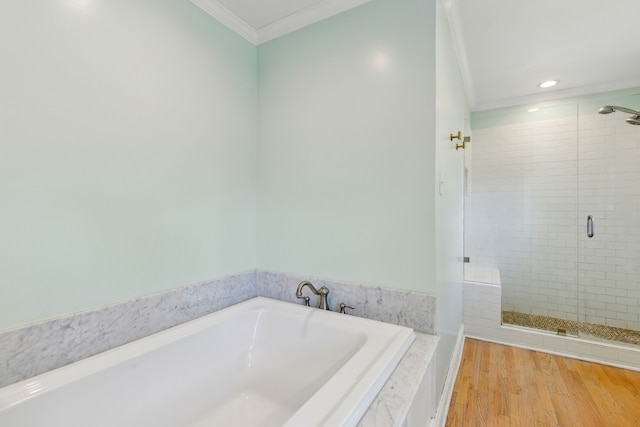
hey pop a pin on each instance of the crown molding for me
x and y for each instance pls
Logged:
(228, 18)
(563, 94)
(456, 29)
(280, 27)
(305, 17)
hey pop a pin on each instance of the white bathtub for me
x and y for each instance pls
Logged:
(259, 363)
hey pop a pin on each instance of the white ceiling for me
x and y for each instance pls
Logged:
(505, 47)
(260, 13)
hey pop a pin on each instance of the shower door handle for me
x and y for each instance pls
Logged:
(590, 226)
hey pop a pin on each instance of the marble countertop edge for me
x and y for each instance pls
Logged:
(391, 406)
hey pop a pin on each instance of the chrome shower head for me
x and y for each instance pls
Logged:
(634, 120)
(608, 109)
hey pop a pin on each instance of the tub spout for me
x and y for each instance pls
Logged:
(322, 292)
(299, 291)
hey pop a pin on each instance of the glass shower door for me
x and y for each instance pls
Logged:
(609, 231)
(521, 214)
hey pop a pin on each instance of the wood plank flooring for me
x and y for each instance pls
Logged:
(498, 385)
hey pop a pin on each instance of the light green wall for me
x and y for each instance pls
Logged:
(129, 145)
(346, 153)
(564, 107)
(127, 152)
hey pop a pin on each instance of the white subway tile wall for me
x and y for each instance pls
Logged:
(609, 182)
(523, 216)
(521, 213)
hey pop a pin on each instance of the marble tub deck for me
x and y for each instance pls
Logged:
(37, 348)
(40, 347)
(391, 406)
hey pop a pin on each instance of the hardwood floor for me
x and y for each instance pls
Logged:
(498, 385)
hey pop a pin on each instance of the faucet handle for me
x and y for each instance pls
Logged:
(344, 306)
(305, 298)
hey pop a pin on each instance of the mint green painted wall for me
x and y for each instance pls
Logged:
(564, 107)
(128, 159)
(127, 152)
(346, 152)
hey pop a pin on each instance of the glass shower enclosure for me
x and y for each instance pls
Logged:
(551, 214)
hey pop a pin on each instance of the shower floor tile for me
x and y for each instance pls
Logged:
(570, 327)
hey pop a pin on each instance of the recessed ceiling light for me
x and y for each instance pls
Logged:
(533, 110)
(548, 83)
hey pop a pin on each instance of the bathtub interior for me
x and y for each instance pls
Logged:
(256, 370)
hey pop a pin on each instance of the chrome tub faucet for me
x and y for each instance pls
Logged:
(322, 292)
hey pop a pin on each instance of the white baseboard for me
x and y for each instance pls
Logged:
(447, 392)
(543, 349)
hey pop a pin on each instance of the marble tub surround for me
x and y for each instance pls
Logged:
(408, 397)
(413, 309)
(40, 347)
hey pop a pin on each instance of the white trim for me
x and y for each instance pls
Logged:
(457, 34)
(559, 352)
(280, 27)
(305, 17)
(558, 94)
(447, 391)
(228, 18)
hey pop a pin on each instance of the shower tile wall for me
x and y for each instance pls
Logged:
(609, 183)
(521, 213)
(522, 216)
